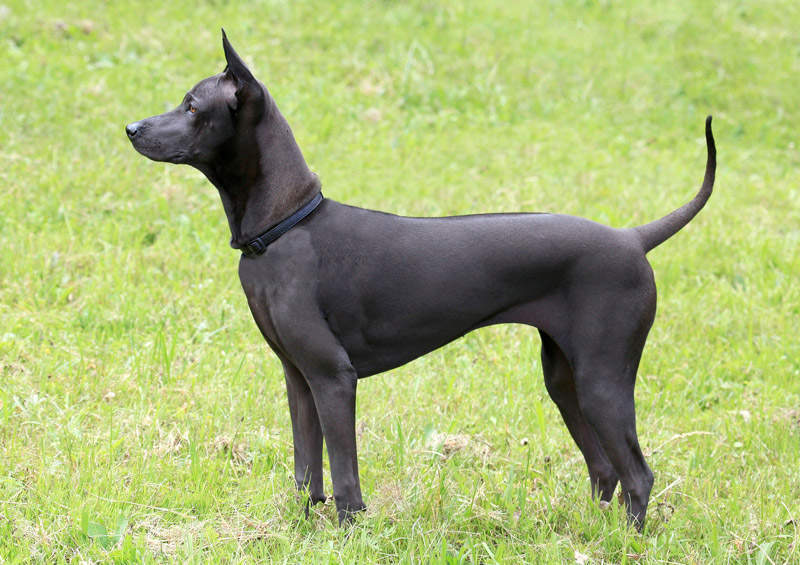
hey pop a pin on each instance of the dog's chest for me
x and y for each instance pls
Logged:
(276, 285)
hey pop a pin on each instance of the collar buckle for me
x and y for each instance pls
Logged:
(255, 247)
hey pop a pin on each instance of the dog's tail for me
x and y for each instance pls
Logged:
(657, 232)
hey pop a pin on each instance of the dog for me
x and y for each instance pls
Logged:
(341, 293)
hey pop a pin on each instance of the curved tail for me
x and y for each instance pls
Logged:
(657, 232)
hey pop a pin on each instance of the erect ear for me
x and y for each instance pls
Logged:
(237, 71)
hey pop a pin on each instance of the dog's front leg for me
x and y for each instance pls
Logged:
(307, 436)
(335, 396)
(310, 345)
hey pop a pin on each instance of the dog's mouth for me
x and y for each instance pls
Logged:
(149, 147)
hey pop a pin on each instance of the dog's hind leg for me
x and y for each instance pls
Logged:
(560, 385)
(605, 360)
(610, 412)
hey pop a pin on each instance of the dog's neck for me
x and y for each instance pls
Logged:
(264, 179)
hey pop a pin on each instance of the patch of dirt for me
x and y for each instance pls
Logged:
(172, 442)
(237, 450)
(448, 445)
(167, 539)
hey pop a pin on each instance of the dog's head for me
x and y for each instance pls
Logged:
(206, 122)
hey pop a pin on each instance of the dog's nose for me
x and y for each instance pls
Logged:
(131, 129)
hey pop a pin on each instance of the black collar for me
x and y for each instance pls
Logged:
(258, 245)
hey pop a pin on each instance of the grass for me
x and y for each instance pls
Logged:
(142, 418)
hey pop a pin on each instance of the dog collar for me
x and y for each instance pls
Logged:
(258, 245)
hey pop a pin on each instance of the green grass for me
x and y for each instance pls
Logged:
(142, 417)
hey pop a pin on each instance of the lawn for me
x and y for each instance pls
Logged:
(142, 416)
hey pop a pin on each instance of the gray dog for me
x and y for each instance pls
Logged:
(341, 293)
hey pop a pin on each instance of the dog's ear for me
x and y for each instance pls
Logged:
(237, 71)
